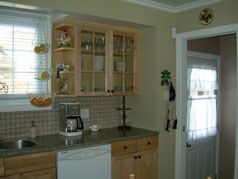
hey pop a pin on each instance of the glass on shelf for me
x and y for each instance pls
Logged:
(86, 40)
(129, 82)
(118, 63)
(99, 40)
(118, 82)
(117, 44)
(129, 45)
(86, 82)
(99, 82)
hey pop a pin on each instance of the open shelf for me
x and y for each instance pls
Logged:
(63, 49)
(66, 72)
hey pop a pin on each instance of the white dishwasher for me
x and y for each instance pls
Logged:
(85, 163)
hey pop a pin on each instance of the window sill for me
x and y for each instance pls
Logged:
(20, 105)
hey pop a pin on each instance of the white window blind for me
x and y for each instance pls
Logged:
(20, 66)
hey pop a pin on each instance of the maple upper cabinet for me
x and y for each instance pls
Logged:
(102, 60)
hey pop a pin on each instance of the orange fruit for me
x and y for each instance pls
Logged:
(32, 100)
(48, 101)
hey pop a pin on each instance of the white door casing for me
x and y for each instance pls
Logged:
(181, 77)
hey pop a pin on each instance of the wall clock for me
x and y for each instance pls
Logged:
(206, 16)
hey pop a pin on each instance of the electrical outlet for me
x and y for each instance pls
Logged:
(84, 113)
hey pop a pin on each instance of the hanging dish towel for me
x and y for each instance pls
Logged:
(171, 115)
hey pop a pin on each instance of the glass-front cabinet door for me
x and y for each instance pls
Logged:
(123, 64)
(93, 58)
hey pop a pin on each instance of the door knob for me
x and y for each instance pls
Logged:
(188, 145)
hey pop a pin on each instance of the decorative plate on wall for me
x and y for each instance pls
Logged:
(206, 16)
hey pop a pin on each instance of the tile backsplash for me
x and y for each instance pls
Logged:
(102, 111)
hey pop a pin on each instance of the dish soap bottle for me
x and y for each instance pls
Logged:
(33, 130)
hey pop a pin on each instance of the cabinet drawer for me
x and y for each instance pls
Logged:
(27, 163)
(147, 143)
(41, 174)
(123, 147)
(1, 167)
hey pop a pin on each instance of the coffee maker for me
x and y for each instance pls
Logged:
(70, 122)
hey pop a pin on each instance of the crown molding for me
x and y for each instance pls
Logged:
(173, 9)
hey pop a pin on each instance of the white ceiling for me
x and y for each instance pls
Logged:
(174, 5)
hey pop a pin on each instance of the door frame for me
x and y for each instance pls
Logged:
(181, 82)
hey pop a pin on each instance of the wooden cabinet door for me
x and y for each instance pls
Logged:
(28, 163)
(124, 67)
(94, 62)
(1, 167)
(41, 174)
(146, 165)
(123, 166)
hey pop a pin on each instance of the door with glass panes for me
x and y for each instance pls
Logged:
(94, 61)
(123, 75)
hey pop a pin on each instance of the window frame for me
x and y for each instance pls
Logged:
(14, 102)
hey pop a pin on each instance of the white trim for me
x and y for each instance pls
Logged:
(181, 60)
(236, 142)
(170, 8)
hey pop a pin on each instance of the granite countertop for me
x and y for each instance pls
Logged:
(57, 142)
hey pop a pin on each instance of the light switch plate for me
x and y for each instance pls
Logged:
(166, 95)
(84, 113)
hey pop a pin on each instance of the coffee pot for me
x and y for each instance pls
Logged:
(74, 123)
(71, 123)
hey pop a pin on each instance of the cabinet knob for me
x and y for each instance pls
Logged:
(135, 157)
(139, 156)
(125, 147)
(148, 143)
(108, 91)
(112, 91)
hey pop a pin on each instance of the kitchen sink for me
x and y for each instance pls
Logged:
(17, 144)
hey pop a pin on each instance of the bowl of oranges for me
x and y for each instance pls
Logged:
(42, 100)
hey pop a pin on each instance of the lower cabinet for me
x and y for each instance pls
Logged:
(143, 163)
(41, 174)
(32, 166)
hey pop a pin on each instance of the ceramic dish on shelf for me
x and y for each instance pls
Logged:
(41, 99)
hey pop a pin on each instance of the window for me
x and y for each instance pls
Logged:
(20, 66)
(202, 107)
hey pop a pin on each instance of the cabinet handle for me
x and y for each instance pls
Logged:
(148, 143)
(139, 156)
(135, 157)
(125, 147)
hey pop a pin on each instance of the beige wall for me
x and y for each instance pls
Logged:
(228, 107)
(224, 13)
(205, 45)
(148, 110)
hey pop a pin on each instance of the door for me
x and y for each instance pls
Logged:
(94, 62)
(124, 55)
(202, 104)
(41, 174)
(123, 166)
(146, 165)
